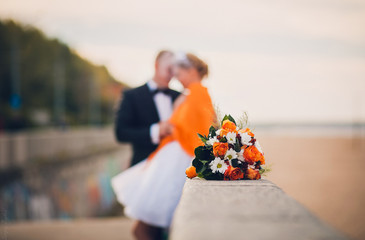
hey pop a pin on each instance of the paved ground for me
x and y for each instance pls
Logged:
(82, 229)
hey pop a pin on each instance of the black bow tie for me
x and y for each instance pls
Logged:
(161, 90)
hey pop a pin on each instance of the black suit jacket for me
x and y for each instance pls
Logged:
(134, 117)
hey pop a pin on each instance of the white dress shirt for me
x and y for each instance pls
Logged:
(163, 104)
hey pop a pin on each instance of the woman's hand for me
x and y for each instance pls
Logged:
(165, 129)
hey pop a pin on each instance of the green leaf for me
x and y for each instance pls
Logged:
(198, 165)
(205, 161)
(225, 118)
(231, 119)
(208, 147)
(215, 176)
(212, 132)
(198, 152)
(265, 170)
(201, 175)
(204, 139)
(237, 146)
(235, 163)
(205, 172)
(203, 153)
(228, 117)
(203, 168)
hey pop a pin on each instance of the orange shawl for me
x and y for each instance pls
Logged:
(195, 115)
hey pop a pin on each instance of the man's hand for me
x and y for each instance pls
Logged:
(165, 129)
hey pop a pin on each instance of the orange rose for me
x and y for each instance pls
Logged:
(248, 131)
(191, 172)
(223, 132)
(252, 155)
(253, 174)
(233, 173)
(220, 149)
(229, 126)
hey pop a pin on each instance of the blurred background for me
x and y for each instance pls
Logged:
(296, 67)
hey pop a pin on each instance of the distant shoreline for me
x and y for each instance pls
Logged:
(356, 130)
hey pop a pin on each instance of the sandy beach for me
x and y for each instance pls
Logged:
(323, 173)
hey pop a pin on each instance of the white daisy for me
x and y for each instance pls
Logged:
(251, 166)
(240, 155)
(213, 140)
(218, 131)
(245, 139)
(230, 154)
(231, 137)
(218, 165)
(258, 146)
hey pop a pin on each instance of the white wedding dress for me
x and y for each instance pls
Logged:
(151, 190)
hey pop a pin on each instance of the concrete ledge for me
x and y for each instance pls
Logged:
(243, 210)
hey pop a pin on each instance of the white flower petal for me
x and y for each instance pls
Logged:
(230, 154)
(251, 166)
(240, 155)
(218, 165)
(231, 137)
(258, 146)
(245, 139)
(213, 140)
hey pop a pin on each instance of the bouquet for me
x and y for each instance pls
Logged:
(228, 153)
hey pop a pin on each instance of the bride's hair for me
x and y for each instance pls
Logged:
(190, 60)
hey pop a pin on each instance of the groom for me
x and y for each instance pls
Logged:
(141, 118)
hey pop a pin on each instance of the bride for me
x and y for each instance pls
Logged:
(151, 190)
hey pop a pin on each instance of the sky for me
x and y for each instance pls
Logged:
(282, 61)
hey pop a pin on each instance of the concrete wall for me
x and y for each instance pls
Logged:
(244, 210)
(18, 149)
(60, 174)
(66, 189)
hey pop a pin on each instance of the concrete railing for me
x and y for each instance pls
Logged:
(244, 210)
(19, 149)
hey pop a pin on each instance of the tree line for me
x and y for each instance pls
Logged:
(43, 82)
